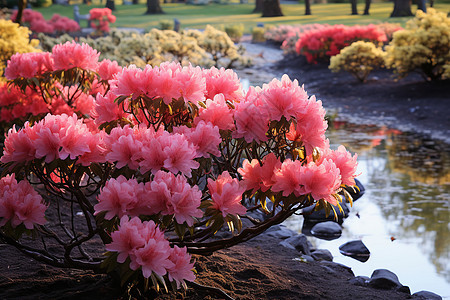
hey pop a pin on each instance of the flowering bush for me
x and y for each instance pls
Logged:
(423, 46)
(178, 153)
(359, 59)
(321, 44)
(208, 48)
(100, 19)
(37, 23)
(14, 39)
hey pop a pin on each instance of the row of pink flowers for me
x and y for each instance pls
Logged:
(328, 41)
(37, 23)
(146, 247)
(20, 203)
(100, 18)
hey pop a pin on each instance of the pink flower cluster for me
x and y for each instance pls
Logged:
(15, 104)
(226, 195)
(328, 41)
(146, 247)
(166, 194)
(321, 179)
(100, 18)
(37, 23)
(54, 137)
(20, 203)
(72, 55)
(28, 65)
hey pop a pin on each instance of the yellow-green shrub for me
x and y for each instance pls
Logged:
(13, 39)
(235, 32)
(359, 59)
(424, 46)
(166, 25)
(258, 34)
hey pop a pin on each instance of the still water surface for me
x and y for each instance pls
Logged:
(403, 217)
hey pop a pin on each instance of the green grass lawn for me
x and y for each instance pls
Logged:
(197, 16)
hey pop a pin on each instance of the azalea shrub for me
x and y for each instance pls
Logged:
(424, 46)
(14, 39)
(57, 24)
(359, 59)
(100, 18)
(321, 44)
(207, 48)
(166, 157)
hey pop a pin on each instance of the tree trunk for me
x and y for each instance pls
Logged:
(354, 7)
(402, 8)
(367, 7)
(22, 6)
(153, 7)
(422, 5)
(271, 8)
(110, 4)
(135, 2)
(307, 7)
(431, 3)
(258, 6)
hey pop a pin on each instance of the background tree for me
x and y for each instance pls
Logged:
(307, 7)
(271, 8)
(258, 6)
(354, 4)
(110, 4)
(402, 8)
(22, 5)
(153, 7)
(367, 7)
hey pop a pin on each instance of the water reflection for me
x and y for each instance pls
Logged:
(404, 215)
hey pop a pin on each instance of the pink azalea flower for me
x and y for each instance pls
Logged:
(18, 146)
(127, 238)
(118, 197)
(283, 98)
(321, 180)
(204, 136)
(226, 195)
(28, 65)
(311, 127)
(165, 83)
(192, 84)
(346, 163)
(72, 55)
(152, 258)
(251, 174)
(288, 178)
(217, 113)
(153, 156)
(105, 109)
(20, 203)
(252, 122)
(179, 153)
(123, 147)
(96, 153)
(107, 68)
(182, 266)
(177, 197)
(128, 82)
(221, 81)
(256, 176)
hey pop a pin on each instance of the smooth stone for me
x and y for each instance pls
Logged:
(312, 215)
(356, 250)
(280, 232)
(426, 295)
(359, 280)
(337, 267)
(327, 230)
(322, 254)
(358, 194)
(298, 242)
(384, 279)
(307, 258)
(404, 289)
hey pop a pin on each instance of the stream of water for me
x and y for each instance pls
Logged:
(403, 217)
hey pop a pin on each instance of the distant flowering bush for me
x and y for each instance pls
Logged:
(359, 59)
(321, 44)
(424, 46)
(100, 19)
(164, 158)
(37, 23)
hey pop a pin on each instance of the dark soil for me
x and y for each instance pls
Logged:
(260, 268)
